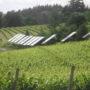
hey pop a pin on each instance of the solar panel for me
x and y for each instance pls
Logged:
(21, 40)
(37, 41)
(49, 39)
(29, 41)
(68, 36)
(16, 37)
(86, 35)
(13, 38)
(16, 40)
(25, 39)
(36, 38)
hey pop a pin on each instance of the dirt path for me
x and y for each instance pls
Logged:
(3, 50)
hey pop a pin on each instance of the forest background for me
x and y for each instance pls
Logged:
(74, 16)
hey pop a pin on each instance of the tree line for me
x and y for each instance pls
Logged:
(41, 14)
(75, 17)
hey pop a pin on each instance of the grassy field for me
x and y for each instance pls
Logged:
(47, 67)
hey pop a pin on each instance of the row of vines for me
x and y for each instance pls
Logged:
(47, 67)
(7, 33)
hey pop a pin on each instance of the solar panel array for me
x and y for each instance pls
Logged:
(68, 36)
(49, 39)
(37, 41)
(26, 40)
(22, 39)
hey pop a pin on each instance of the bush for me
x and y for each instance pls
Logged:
(81, 31)
(1, 39)
(76, 18)
(27, 32)
(65, 30)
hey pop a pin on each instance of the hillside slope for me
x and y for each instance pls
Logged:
(50, 64)
(7, 33)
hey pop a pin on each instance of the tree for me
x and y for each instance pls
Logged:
(1, 19)
(88, 16)
(27, 32)
(81, 31)
(43, 17)
(54, 20)
(77, 6)
(77, 19)
(34, 21)
(72, 4)
(13, 19)
(30, 21)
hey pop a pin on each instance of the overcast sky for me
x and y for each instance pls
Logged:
(8, 5)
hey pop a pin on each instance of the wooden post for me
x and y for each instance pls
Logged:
(16, 79)
(9, 73)
(71, 78)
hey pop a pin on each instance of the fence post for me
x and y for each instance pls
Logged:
(16, 79)
(71, 78)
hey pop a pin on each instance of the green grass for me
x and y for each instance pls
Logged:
(48, 67)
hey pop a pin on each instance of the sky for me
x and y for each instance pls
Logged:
(9, 5)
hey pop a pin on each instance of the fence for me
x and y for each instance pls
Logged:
(70, 80)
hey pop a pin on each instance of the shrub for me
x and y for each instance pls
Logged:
(76, 18)
(27, 32)
(81, 31)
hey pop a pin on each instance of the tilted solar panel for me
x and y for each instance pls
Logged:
(16, 37)
(48, 39)
(28, 37)
(68, 36)
(22, 40)
(86, 35)
(38, 40)
(13, 38)
(29, 41)
(16, 40)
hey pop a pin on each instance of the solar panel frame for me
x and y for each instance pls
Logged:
(37, 41)
(68, 36)
(86, 35)
(48, 39)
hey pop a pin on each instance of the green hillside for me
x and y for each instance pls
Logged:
(7, 33)
(47, 67)
(35, 30)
